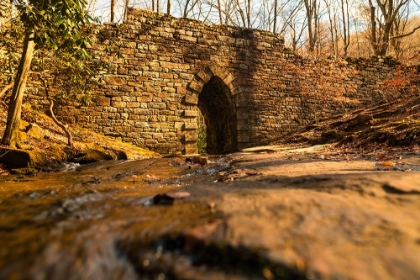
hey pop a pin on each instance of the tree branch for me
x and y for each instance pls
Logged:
(60, 124)
(57, 122)
(406, 34)
(5, 89)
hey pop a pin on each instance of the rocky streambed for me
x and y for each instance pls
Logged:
(263, 214)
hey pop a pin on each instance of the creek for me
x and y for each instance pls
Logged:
(119, 220)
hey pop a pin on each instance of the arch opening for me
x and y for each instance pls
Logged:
(219, 112)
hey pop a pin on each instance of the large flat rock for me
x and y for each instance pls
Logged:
(13, 158)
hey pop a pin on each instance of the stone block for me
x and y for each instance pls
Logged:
(190, 113)
(190, 137)
(115, 80)
(218, 71)
(190, 126)
(229, 79)
(133, 104)
(196, 86)
(205, 75)
(191, 150)
(191, 99)
(181, 90)
(103, 101)
(125, 88)
(119, 104)
(188, 38)
(146, 97)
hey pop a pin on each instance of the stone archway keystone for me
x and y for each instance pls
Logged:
(210, 71)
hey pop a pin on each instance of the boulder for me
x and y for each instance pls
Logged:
(90, 156)
(13, 158)
(201, 160)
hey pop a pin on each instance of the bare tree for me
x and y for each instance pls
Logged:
(312, 17)
(383, 18)
(345, 20)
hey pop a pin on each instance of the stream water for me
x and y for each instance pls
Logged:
(118, 220)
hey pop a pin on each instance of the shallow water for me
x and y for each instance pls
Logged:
(105, 221)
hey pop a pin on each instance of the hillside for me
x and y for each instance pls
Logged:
(389, 126)
(39, 132)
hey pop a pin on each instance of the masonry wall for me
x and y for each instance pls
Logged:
(159, 65)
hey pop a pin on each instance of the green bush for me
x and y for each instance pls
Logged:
(201, 139)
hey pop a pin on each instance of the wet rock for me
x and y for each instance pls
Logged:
(23, 171)
(90, 156)
(14, 159)
(163, 199)
(169, 198)
(151, 179)
(3, 170)
(194, 166)
(178, 195)
(176, 162)
(120, 155)
(201, 160)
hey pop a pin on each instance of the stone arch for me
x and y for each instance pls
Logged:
(213, 91)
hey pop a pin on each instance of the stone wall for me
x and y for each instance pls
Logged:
(163, 72)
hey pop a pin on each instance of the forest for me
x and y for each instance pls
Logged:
(336, 28)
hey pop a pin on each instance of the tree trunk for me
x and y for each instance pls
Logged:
(248, 14)
(169, 7)
(311, 14)
(275, 17)
(112, 10)
(383, 49)
(219, 8)
(373, 30)
(126, 4)
(11, 134)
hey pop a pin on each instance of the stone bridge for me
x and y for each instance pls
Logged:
(166, 74)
